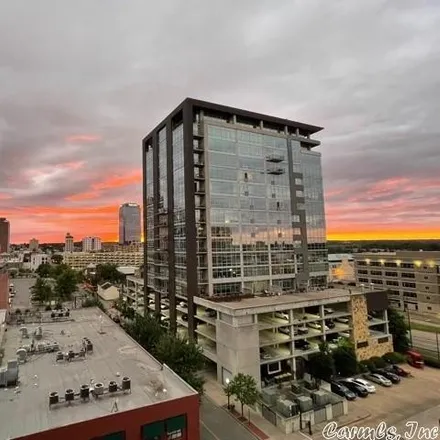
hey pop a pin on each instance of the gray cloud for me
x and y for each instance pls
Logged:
(368, 71)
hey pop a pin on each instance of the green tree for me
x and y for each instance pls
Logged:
(107, 272)
(399, 330)
(57, 259)
(244, 388)
(41, 291)
(321, 365)
(44, 270)
(66, 284)
(344, 357)
(146, 331)
(184, 357)
(59, 269)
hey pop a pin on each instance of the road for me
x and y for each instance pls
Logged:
(217, 424)
(425, 340)
(22, 293)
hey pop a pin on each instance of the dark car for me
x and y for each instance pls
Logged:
(342, 390)
(359, 390)
(330, 323)
(302, 344)
(397, 370)
(393, 377)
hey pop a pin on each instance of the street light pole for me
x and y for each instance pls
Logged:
(228, 393)
(409, 325)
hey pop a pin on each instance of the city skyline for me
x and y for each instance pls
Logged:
(71, 121)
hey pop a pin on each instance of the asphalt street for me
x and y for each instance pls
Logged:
(217, 424)
(425, 340)
(21, 299)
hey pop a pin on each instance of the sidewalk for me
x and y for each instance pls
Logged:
(214, 391)
(264, 429)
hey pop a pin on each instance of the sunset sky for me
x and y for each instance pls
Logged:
(82, 82)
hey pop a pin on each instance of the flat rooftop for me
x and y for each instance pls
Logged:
(114, 356)
(296, 300)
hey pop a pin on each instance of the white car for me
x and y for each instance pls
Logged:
(381, 380)
(317, 326)
(328, 311)
(282, 315)
(342, 320)
(367, 385)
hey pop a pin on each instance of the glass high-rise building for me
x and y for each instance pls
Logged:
(233, 205)
(129, 223)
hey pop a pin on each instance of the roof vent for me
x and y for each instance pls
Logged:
(98, 389)
(126, 384)
(84, 392)
(112, 386)
(69, 395)
(53, 398)
(21, 355)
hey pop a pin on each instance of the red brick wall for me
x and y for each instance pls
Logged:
(128, 421)
(4, 290)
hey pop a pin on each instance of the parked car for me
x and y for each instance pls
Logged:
(264, 355)
(342, 390)
(302, 344)
(398, 370)
(328, 311)
(367, 385)
(342, 320)
(359, 390)
(317, 326)
(211, 313)
(330, 323)
(282, 315)
(379, 379)
(284, 330)
(303, 330)
(393, 377)
(185, 317)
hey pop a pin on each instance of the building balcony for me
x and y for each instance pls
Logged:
(276, 171)
(275, 158)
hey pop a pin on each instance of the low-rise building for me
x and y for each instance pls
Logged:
(341, 267)
(81, 260)
(33, 245)
(412, 279)
(133, 292)
(108, 292)
(100, 385)
(37, 259)
(4, 287)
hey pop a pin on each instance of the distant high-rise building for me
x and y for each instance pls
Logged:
(68, 244)
(91, 244)
(4, 235)
(129, 223)
(33, 245)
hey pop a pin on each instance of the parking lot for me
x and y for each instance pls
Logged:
(400, 402)
(22, 286)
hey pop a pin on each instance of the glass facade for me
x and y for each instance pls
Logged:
(161, 269)
(179, 210)
(149, 215)
(252, 239)
(308, 163)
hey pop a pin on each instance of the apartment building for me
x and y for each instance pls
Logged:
(91, 244)
(412, 279)
(233, 205)
(69, 245)
(341, 267)
(80, 260)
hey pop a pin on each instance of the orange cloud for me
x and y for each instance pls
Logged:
(83, 138)
(114, 181)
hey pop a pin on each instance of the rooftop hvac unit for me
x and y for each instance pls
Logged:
(320, 398)
(24, 332)
(112, 386)
(69, 395)
(21, 354)
(305, 403)
(126, 384)
(59, 356)
(53, 398)
(39, 333)
(84, 392)
(98, 389)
